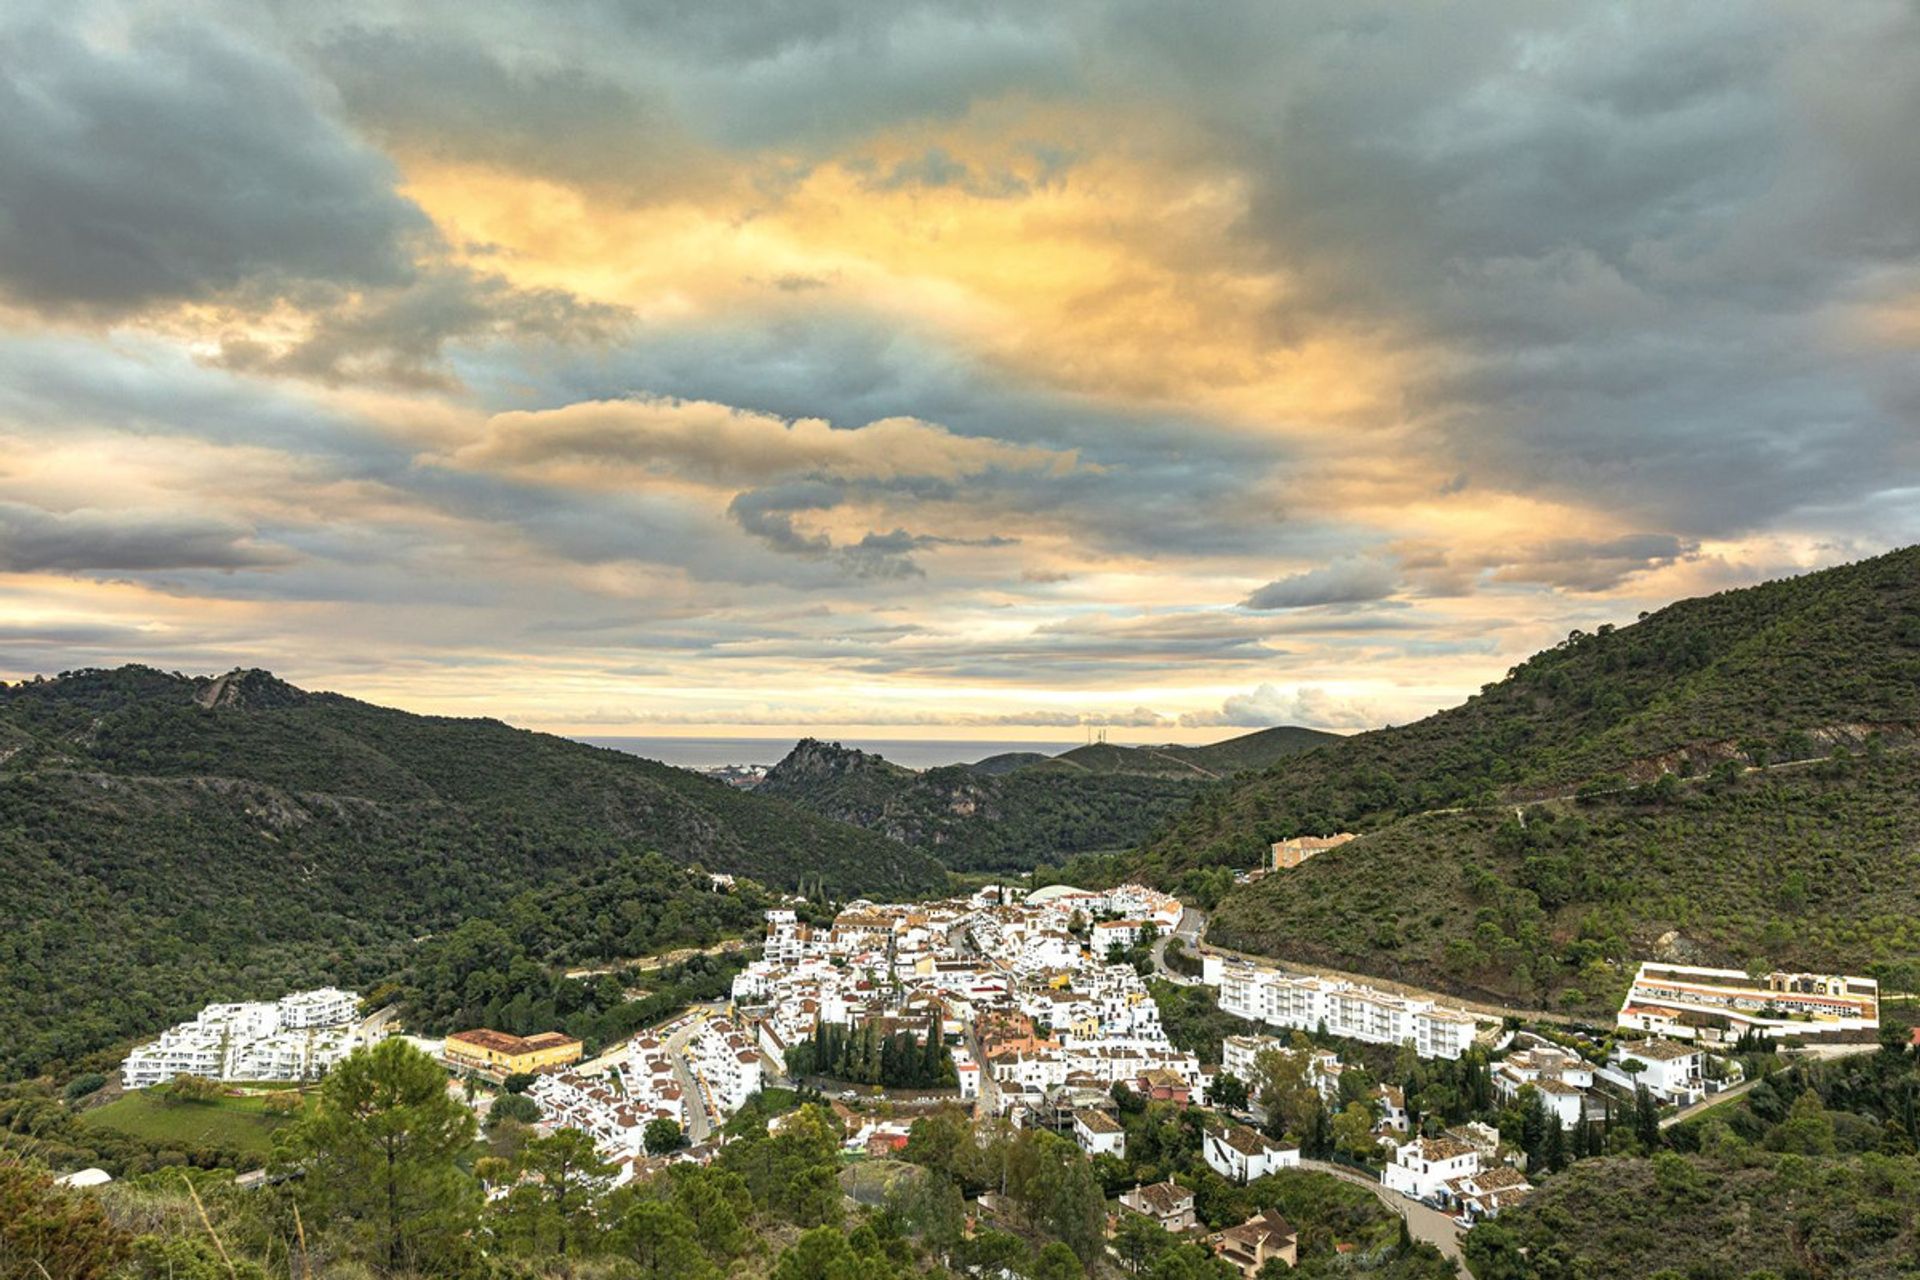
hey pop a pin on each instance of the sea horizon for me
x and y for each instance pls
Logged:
(913, 753)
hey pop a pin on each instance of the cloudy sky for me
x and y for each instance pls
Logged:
(967, 369)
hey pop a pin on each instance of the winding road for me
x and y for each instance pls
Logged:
(1188, 928)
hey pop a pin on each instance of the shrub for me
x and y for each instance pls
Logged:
(81, 1086)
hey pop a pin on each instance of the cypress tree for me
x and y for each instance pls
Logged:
(1556, 1145)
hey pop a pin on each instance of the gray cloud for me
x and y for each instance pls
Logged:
(1619, 243)
(768, 514)
(1153, 482)
(512, 106)
(33, 540)
(187, 168)
(1580, 564)
(201, 167)
(1613, 257)
(1342, 582)
(398, 336)
(1612, 225)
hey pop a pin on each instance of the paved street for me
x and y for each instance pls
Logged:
(1705, 1104)
(1192, 922)
(1819, 1052)
(699, 1125)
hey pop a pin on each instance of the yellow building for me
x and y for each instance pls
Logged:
(495, 1053)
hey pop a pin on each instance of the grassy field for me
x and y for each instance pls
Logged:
(242, 1124)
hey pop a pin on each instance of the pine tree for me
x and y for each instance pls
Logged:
(380, 1146)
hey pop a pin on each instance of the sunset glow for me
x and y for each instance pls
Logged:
(984, 371)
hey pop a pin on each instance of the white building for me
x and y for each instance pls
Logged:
(1244, 1154)
(1099, 1134)
(1671, 1071)
(324, 1007)
(726, 1063)
(180, 1051)
(1240, 1055)
(1559, 1077)
(1484, 1194)
(968, 1072)
(298, 1037)
(1422, 1168)
(788, 941)
(1108, 934)
(1694, 1003)
(1261, 994)
(1392, 1101)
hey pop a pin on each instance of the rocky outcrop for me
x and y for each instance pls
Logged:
(249, 688)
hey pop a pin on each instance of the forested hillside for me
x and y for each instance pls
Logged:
(979, 821)
(167, 840)
(1784, 669)
(1812, 1173)
(1729, 779)
(1015, 811)
(1817, 865)
(1213, 761)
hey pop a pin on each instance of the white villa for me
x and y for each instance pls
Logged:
(1243, 1154)
(1561, 1079)
(1671, 1071)
(1422, 1168)
(1099, 1133)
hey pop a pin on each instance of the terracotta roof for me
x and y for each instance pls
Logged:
(1247, 1142)
(1499, 1177)
(1096, 1122)
(549, 1040)
(1268, 1228)
(501, 1042)
(1443, 1149)
(1658, 1050)
(1164, 1198)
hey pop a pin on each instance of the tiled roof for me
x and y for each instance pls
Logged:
(1247, 1142)
(1164, 1197)
(1096, 1122)
(1268, 1228)
(1438, 1149)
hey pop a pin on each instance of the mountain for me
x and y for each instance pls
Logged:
(1008, 761)
(1013, 811)
(167, 839)
(1256, 750)
(1210, 763)
(1730, 778)
(973, 820)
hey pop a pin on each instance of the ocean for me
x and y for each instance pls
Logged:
(914, 753)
